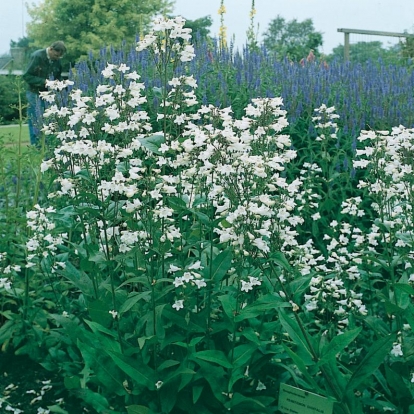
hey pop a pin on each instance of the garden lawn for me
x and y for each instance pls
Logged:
(10, 133)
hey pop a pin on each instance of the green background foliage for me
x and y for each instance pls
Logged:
(89, 25)
(292, 39)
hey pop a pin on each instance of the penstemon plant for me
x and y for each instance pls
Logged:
(172, 270)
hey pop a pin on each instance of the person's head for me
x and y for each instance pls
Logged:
(57, 50)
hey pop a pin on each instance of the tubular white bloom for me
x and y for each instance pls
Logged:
(148, 40)
(108, 72)
(112, 113)
(246, 286)
(187, 55)
(261, 245)
(200, 283)
(178, 281)
(178, 304)
(396, 350)
(113, 313)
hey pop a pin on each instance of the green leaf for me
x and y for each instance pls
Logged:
(393, 309)
(202, 217)
(378, 326)
(251, 335)
(298, 361)
(280, 259)
(405, 287)
(242, 354)
(291, 326)
(177, 204)
(158, 92)
(99, 312)
(56, 409)
(215, 376)
(168, 395)
(336, 382)
(229, 304)
(249, 405)
(218, 357)
(159, 326)
(97, 401)
(143, 376)
(79, 279)
(266, 303)
(197, 390)
(374, 358)
(337, 345)
(133, 299)
(153, 143)
(102, 366)
(298, 286)
(97, 328)
(168, 364)
(71, 383)
(409, 316)
(138, 409)
(396, 382)
(219, 267)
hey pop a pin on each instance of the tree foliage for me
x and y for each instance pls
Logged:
(292, 39)
(89, 25)
(407, 47)
(362, 52)
(9, 99)
(200, 27)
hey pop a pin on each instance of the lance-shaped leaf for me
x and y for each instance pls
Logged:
(217, 357)
(374, 358)
(153, 143)
(220, 266)
(338, 344)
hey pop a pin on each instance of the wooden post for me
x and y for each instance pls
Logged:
(346, 46)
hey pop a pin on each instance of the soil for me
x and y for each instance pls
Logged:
(26, 387)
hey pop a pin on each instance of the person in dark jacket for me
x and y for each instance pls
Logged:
(44, 64)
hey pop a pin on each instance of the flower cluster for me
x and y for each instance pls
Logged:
(44, 242)
(325, 121)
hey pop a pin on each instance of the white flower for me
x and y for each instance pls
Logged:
(254, 281)
(295, 307)
(261, 244)
(187, 277)
(179, 304)
(5, 283)
(396, 350)
(246, 286)
(178, 281)
(108, 71)
(112, 113)
(123, 68)
(195, 266)
(187, 54)
(200, 283)
(114, 313)
(165, 212)
(173, 268)
(260, 386)
(133, 75)
(158, 384)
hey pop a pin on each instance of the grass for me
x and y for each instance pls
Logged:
(10, 134)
